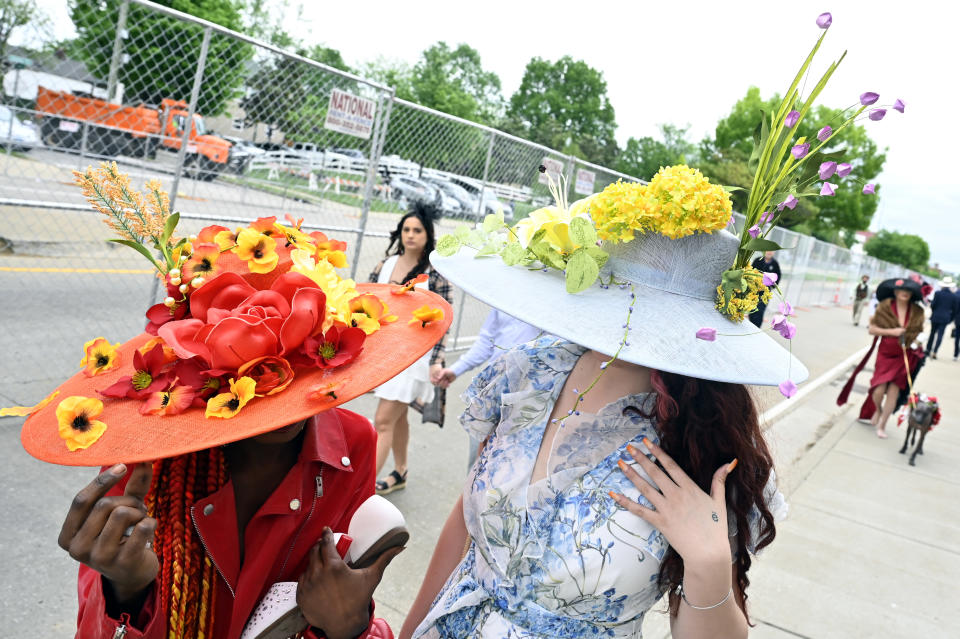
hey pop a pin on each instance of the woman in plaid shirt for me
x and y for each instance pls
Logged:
(408, 255)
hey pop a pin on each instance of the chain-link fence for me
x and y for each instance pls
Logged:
(237, 129)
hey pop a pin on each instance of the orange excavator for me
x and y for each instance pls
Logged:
(69, 121)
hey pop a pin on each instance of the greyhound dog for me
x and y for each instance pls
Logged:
(920, 419)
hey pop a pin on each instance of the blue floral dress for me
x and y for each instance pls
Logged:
(556, 558)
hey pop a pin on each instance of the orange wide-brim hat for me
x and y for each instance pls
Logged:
(131, 437)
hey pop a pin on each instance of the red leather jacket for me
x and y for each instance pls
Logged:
(332, 477)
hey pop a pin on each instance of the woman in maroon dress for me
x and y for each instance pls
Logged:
(896, 323)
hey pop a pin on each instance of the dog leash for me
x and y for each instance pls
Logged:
(906, 364)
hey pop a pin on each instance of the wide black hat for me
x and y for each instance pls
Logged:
(887, 287)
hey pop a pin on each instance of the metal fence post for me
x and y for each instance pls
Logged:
(481, 209)
(380, 125)
(117, 50)
(191, 109)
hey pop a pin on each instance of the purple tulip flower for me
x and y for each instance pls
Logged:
(707, 334)
(824, 133)
(769, 279)
(877, 114)
(827, 169)
(800, 150)
(868, 98)
(786, 309)
(787, 388)
(898, 105)
(824, 20)
(766, 217)
(843, 170)
(869, 189)
(791, 202)
(828, 189)
(754, 231)
(791, 119)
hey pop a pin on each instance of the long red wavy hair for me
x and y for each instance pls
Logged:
(703, 425)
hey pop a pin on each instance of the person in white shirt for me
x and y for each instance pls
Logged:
(500, 332)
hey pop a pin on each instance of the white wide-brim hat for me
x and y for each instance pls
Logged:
(675, 284)
(947, 282)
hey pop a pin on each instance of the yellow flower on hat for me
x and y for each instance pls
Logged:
(426, 314)
(75, 419)
(99, 356)
(259, 251)
(228, 404)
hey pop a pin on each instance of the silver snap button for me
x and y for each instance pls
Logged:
(345, 461)
(294, 504)
(208, 509)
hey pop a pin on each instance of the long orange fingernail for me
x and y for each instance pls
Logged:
(631, 449)
(612, 494)
(621, 464)
(646, 442)
(733, 465)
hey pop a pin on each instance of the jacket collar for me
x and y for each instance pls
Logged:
(325, 442)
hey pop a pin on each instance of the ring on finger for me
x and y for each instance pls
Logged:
(128, 531)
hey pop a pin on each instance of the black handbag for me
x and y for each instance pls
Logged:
(432, 411)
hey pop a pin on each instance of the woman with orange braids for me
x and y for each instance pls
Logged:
(226, 467)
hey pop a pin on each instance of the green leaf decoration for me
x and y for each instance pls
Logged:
(548, 255)
(140, 248)
(493, 222)
(513, 254)
(582, 232)
(169, 227)
(760, 244)
(732, 189)
(448, 245)
(599, 255)
(490, 248)
(732, 281)
(582, 271)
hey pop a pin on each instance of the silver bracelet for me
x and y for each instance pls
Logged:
(716, 605)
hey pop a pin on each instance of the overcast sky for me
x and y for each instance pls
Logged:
(689, 62)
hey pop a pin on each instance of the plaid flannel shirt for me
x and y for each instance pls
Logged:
(439, 285)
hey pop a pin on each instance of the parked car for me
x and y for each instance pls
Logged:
(405, 189)
(491, 203)
(466, 204)
(21, 135)
(241, 153)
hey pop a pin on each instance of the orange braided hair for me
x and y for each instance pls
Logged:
(187, 576)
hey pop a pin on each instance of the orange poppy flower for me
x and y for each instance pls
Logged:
(168, 354)
(259, 251)
(324, 392)
(202, 263)
(226, 405)
(419, 279)
(75, 419)
(368, 312)
(226, 239)
(99, 356)
(23, 411)
(266, 225)
(426, 314)
(272, 374)
(168, 402)
(208, 235)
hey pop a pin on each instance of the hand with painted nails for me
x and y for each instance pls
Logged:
(114, 535)
(693, 522)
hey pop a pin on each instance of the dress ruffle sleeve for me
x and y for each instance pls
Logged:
(776, 504)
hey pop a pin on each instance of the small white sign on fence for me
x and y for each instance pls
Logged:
(554, 171)
(350, 114)
(585, 181)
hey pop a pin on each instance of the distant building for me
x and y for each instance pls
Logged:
(860, 238)
(29, 71)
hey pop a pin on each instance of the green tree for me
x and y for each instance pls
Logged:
(564, 105)
(644, 156)
(14, 14)
(900, 248)
(834, 219)
(289, 95)
(161, 54)
(455, 82)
